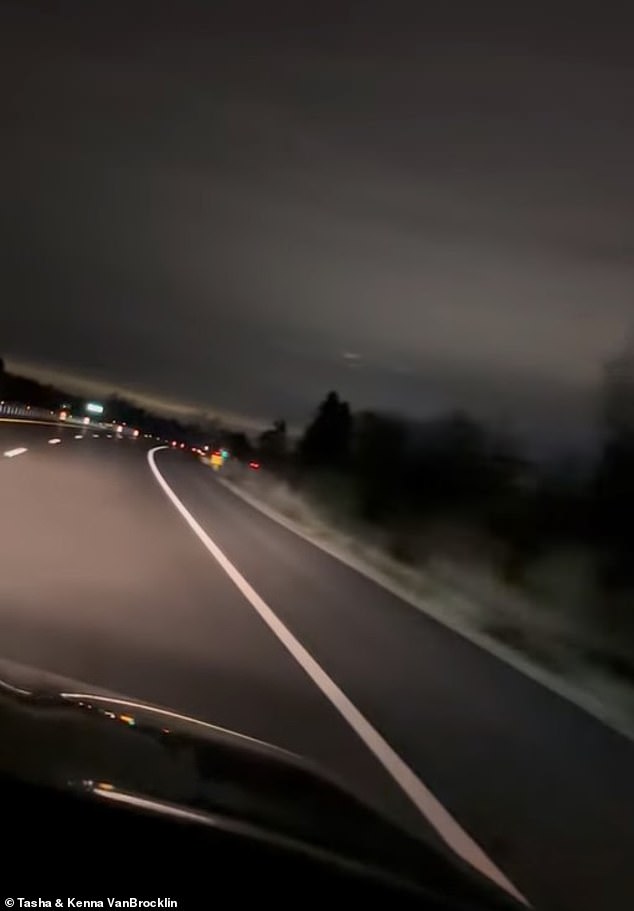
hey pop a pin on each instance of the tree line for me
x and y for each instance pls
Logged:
(18, 389)
(408, 477)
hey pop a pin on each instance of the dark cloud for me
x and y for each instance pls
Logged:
(215, 202)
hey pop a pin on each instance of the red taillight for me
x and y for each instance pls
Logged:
(254, 465)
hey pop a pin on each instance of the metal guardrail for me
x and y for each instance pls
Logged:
(19, 411)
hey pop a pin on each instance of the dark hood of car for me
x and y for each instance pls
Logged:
(58, 733)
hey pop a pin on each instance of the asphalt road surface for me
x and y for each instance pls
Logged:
(103, 579)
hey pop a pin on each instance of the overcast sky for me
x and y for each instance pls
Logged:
(246, 208)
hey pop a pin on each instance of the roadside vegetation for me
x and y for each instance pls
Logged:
(538, 557)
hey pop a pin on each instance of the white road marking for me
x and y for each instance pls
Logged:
(54, 441)
(10, 453)
(79, 436)
(96, 435)
(447, 827)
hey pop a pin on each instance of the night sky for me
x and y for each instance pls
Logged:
(243, 205)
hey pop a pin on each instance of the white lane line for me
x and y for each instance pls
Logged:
(447, 827)
(54, 441)
(10, 453)
(79, 436)
(96, 435)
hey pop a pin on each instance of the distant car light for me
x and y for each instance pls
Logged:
(63, 415)
(135, 433)
(254, 465)
(86, 420)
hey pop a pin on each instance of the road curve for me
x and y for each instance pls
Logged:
(103, 580)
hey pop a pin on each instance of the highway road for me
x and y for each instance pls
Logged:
(147, 577)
